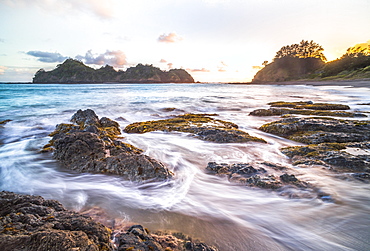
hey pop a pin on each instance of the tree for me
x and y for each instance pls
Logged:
(304, 49)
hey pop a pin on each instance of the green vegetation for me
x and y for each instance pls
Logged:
(74, 71)
(306, 61)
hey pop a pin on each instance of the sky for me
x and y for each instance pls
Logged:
(214, 40)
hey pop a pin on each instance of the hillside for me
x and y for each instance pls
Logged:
(291, 63)
(74, 71)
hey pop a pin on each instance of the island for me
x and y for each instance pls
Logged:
(73, 71)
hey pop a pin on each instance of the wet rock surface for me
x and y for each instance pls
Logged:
(267, 175)
(341, 146)
(202, 126)
(33, 223)
(138, 238)
(334, 156)
(306, 108)
(92, 145)
(319, 130)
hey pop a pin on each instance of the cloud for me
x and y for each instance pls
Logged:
(2, 69)
(47, 57)
(256, 67)
(222, 67)
(2, 40)
(162, 61)
(169, 38)
(103, 9)
(198, 70)
(113, 58)
(170, 65)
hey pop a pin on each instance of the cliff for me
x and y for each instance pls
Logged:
(74, 71)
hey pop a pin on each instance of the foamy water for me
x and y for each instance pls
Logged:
(230, 216)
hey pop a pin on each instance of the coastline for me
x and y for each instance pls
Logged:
(353, 83)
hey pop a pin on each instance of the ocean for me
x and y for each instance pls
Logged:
(228, 215)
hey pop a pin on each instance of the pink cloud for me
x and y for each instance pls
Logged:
(113, 58)
(169, 38)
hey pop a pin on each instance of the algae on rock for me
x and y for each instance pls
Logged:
(92, 145)
(201, 126)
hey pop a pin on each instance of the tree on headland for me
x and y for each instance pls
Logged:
(304, 49)
(292, 62)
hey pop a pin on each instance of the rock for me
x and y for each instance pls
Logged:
(306, 108)
(266, 175)
(33, 223)
(5, 121)
(93, 146)
(201, 126)
(319, 130)
(138, 238)
(332, 155)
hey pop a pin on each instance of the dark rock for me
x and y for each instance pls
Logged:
(306, 108)
(332, 155)
(319, 130)
(93, 146)
(32, 223)
(266, 176)
(139, 238)
(201, 126)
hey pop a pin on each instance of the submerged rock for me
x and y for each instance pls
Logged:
(267, 176)
(92, 145)
(201, 126)
(33, 223)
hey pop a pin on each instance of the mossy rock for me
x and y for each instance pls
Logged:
(309, 105)
(317, 130)
(200, 125)
(331, 155)
(282, 111)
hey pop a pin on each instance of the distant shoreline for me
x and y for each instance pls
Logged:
(352, 83)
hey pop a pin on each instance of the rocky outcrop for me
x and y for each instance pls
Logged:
(306, 108)
(345, 157)
(74, 71)
(92, 145)
(138, 238)
(267, 175)
(339, 145)
(33, 223)
(202, 126)
(319, 130)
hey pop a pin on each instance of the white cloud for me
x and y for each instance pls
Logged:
(114, 58)
(2, 69)
(169, 38)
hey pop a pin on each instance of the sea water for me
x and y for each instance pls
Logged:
(228, 215)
